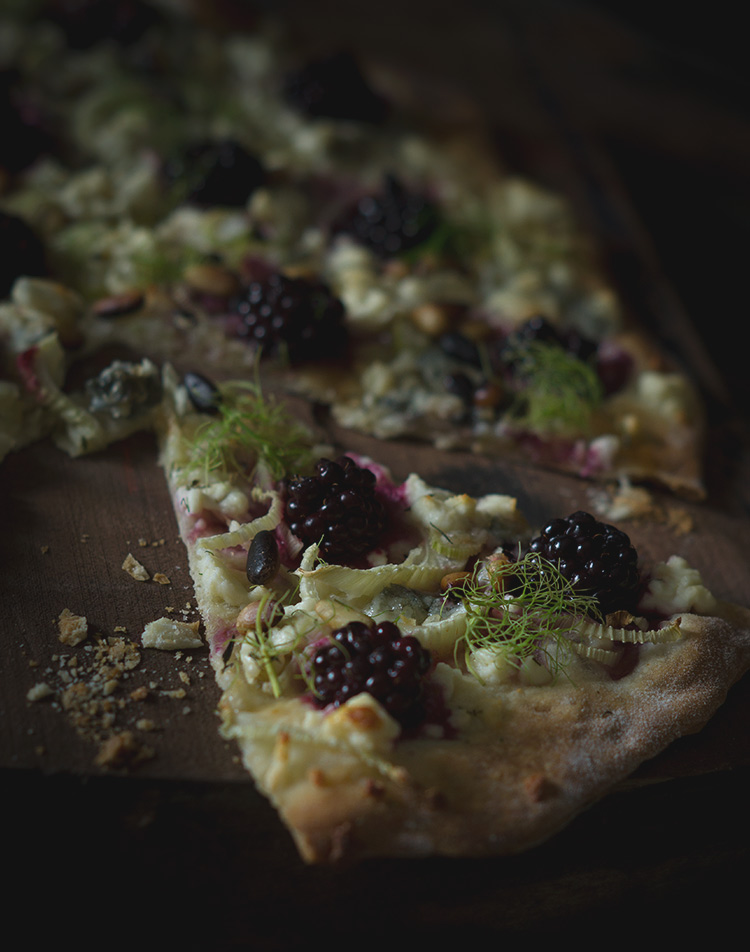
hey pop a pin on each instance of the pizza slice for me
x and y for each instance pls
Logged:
(409, 671)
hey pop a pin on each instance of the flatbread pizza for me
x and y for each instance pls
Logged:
(208, 229)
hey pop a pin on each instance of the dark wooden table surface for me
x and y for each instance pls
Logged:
(645, 127)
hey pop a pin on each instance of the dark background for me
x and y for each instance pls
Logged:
(684, 157)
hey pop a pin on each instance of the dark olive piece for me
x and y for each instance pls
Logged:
(204, 395)
(262, 558)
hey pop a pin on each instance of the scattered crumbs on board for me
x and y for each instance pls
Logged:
(94, 685)
(636, 503)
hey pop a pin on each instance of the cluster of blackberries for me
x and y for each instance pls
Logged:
(539, 329)
(215, 172)
(295, 318)
(337, 507)
(23, 252)
(596, 558)
(334, 87)
(378, 660)
(391, 221)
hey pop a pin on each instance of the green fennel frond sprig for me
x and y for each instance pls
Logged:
(251, 430)
(559, 392)
(264, 651)
(522, 607)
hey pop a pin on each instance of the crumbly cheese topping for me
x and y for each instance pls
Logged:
(677, 587)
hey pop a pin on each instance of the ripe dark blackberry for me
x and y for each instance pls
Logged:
(378, 660)
(334, 88)
(391, 222)
(339, 506)
(218, 172)
(296, 318)
(540, 330)
(596, 558)
(23, 252)
(25, 133)
(87, 22)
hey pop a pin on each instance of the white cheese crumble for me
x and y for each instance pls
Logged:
(362, 722)
(222, 498)
(677, 587)
(168, 634)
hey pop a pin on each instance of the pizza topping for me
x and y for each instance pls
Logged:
(334, 87)
(376, 659)
(518, 617)
(337, 508)
(557, 391)
(539, 329)
(595, 557)
(262, 558)
(23, 252)
(125, 390)
(25, 136)
(87, 22)
(677, 587)
(251, 430)
(204, 395)
(118, 305)
(392, 221)
(293, 317)
(216, 173)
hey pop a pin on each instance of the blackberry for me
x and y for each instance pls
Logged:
(391, 222)
(378, 660)
(334, 87)
(218, 172)
(596, 558)
(539, 329)
(337, 505)
(87, 22)
(23, 252)
(25, 136)
(294, 317)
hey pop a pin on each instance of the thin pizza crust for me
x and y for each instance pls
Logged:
(520, 752)
(548, 754)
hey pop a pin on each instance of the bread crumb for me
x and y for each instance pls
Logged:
(39, 691)
(73, 629)
(161, 578)
(680, 521)
(134, 569)
(626, 502)
(121, 750)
